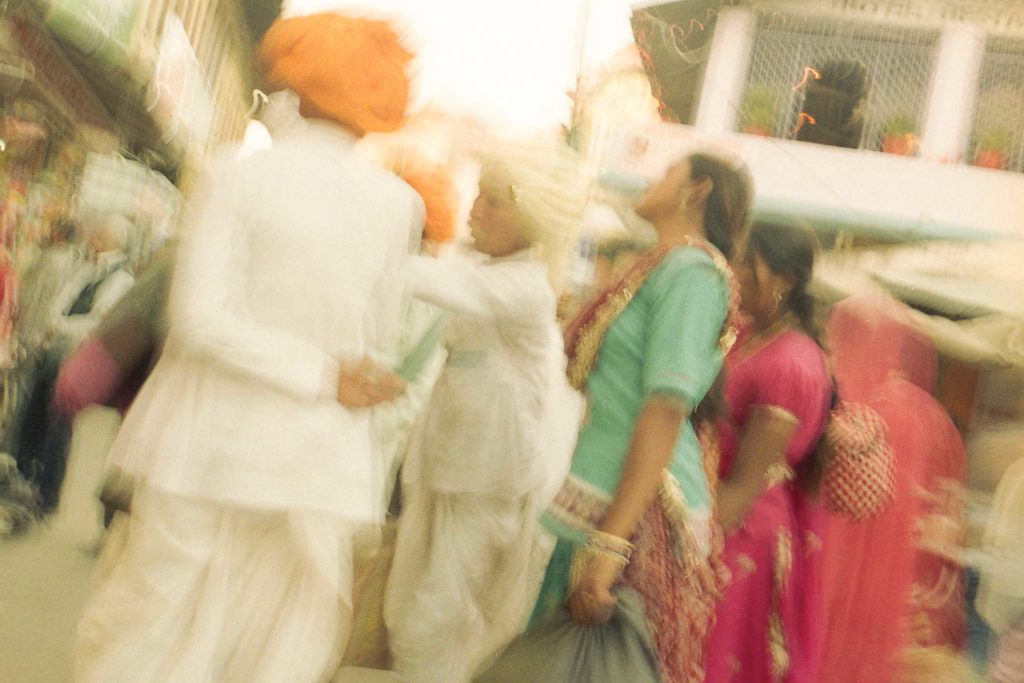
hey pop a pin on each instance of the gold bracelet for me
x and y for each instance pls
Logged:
(582, 558)
(778, 473)
(610, 543)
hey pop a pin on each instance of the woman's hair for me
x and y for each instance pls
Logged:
(789, 250)
(727, 208)
(726, 223)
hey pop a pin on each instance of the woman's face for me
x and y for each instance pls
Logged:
(667, 194)
(758, 286)
(494, 222)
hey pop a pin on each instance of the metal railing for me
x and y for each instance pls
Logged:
(897, 60)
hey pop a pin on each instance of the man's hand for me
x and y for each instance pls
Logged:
(364, 383)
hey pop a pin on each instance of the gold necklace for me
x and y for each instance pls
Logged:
(761, 339)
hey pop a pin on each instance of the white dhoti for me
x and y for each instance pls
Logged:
(193, 591)
(466, 571)
(490, 450)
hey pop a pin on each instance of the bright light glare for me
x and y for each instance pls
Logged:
(512, 64)
(257, 138)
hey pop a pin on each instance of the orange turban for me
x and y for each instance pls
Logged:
(350, 70)
(435, 187)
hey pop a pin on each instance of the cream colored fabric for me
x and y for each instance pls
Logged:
(393, 421)
(1000, 598)
(493, 444)
(190, 591)
(293, 261)
(467, 569)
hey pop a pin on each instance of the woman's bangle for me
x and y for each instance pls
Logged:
(778, 473)
(610, 544)
(585, 555)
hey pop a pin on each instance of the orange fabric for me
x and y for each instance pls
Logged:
(350, 70)
(436, 188)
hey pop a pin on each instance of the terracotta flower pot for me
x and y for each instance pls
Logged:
(903, 145)
(990, 158)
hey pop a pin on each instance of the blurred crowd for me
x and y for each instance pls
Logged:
(67, 259)
(360, 439)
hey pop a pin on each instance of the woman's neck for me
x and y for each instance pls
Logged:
(761, 325)
(674, 231)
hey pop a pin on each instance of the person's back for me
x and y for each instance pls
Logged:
(250, 441)
(324, 220)
(292, 264)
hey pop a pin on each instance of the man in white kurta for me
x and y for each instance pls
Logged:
(251, 475)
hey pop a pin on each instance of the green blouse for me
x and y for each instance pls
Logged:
(664, 342)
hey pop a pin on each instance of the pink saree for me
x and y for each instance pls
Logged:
(770, 623)
(885, 593)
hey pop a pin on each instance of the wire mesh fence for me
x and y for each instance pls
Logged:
(897, 61)
(997, 136)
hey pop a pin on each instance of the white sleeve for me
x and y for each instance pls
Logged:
(498, 292)
(207, 316)
(77, 327)
(110, 292)
(64, 299)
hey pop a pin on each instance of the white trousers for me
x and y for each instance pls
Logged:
(192, 592)
(466, 572)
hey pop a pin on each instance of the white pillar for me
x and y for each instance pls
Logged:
(953, 93)
(725, 76)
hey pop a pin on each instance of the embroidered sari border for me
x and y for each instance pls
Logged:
(776, 413)
(580, 507)
(585, 334)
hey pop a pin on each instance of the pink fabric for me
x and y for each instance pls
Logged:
(775, 557)
(89, 375)
(938, 615)
(870, 338)
(871, 567)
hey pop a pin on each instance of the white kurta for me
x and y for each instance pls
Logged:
(393, 421)
(470, 553)
(235, 564)
(293, 260)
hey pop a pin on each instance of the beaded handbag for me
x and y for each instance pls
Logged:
(859, 478)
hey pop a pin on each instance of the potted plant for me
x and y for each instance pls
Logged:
(758, 115)
(898, 136)
(992, 148)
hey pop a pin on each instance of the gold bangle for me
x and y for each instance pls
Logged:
(582, 558)
(778, 473)
(610, 543)
(611, 554)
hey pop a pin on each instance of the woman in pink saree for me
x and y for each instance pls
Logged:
(886, 588)
(778, 391)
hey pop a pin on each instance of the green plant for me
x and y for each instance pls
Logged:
(900, 125)
(996, 139)
(759, 109)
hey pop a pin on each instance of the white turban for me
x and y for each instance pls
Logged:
(550, 193)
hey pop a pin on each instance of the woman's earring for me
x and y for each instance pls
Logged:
(777, 295)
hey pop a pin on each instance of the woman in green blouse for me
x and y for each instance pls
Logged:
(637, 506)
